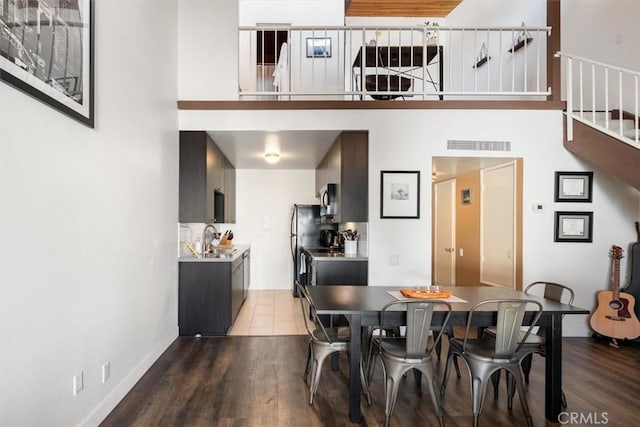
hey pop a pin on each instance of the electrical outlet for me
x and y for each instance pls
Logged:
(106, 372)
(78, 383)
(394, 260)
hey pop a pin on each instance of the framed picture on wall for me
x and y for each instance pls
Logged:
(573, 227)
(49, 55)
(465, 196)
(318, 47)
(400, 194)
(573, 186)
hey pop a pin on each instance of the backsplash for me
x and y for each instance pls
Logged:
(362, 228)
(192, 232)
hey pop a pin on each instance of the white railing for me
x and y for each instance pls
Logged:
(603, 96)
(287, 62)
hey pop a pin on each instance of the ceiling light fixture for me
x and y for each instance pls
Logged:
(272, 157)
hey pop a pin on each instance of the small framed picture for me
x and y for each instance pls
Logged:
(573, 186)
(573, 227)
(400, 194)
(465, 196)
(318, 47)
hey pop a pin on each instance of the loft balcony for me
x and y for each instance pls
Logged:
(355, 63)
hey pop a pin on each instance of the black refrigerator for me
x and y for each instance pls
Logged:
(305, 232)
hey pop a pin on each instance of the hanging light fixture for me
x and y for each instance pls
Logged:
(272, 157)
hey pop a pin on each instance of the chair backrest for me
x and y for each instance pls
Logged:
(419, 323)
(309, 314)
(510, 315)
(553, 291)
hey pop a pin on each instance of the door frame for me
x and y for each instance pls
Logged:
(435, 233)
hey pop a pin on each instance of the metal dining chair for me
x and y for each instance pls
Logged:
(549, 290)
(411, 351)
(484, 356)
(323, 341)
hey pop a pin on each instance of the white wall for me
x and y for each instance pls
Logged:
(208, 49)
(461, 54)
(87, 227)
(408, 139)
(607, 32)
(264, 202)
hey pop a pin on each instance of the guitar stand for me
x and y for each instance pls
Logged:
(614, 343)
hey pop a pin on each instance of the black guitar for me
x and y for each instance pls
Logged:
(634, 284)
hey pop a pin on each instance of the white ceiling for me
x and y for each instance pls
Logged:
(305, 150)
(449, 167)
(298, 149)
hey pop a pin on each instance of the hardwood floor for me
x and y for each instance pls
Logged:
(257, 381)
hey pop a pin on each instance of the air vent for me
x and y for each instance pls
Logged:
(459, 144)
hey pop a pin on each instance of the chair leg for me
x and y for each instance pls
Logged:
(427, 370)
(447, 371)
(455, 365)
(526, 367)
(478, 390)
(516, 374)
(365, 384)
(418, 377)
(318, 360)
(495, 380)
(392, 379)
(307, 365)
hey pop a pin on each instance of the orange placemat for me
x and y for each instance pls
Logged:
(412, 293)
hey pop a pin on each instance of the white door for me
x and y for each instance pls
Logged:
(444, 253)
(497, 226)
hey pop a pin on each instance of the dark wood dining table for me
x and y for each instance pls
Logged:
(361, 305)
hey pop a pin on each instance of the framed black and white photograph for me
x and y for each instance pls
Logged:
(400, 194)
(573, 227)
(46, 51)
(465, 196)
(318, 47)
(573, 186)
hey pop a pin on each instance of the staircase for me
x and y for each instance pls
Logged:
(598, 127)
(610, 144)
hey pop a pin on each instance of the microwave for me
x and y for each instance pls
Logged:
(329, 209)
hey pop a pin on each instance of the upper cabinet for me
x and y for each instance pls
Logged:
(207, 180)
(347, 165)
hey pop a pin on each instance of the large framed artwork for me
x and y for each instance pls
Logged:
(46, 51)
(400, 194)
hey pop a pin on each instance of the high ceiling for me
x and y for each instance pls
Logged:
(404, 8)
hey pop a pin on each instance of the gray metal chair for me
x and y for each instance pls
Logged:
(484, 356)
(323, 341)
(549, 290)
(413, 351)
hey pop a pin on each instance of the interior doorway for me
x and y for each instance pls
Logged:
(269, 53)
(467, 218)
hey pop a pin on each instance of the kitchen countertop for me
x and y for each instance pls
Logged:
(323, 255)
(237, 253)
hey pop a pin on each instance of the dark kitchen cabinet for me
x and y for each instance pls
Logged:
(203, 172)
(347, 165)
(342, 272)
(210, 295)
(230, 192)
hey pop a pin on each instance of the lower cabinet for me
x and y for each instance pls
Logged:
(210, 295)
(341, 272)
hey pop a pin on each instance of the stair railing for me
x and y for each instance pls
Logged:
(603, 96)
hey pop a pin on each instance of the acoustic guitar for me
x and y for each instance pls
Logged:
(614, 316)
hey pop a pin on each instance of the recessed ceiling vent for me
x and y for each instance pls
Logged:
(460, 144)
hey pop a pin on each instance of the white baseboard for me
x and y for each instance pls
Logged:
(117, 394)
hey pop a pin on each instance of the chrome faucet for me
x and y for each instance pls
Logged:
(205, 244)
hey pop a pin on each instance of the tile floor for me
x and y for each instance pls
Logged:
(269, 312)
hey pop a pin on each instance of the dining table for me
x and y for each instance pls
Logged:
(361, 305)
